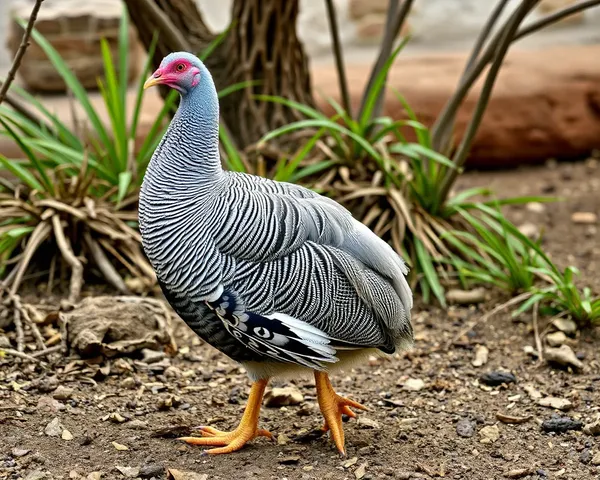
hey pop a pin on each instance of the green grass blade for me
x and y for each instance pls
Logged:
(21, 173)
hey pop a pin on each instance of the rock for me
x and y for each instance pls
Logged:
(533, 392)
(489, 434)
(556, 339)
(466, 297)
(63, 393)
(54, 428)
(584, 217)
(560, 424)
(19, 452)
(128, 383)
(592, 428)
(116, 417)
(556, 402)
(129, 472)
(94, 476)
(289, 460)
(481, 356)
(350, 462)
(585, 456)
(596, 459)
(565, 325)
(535, 207)
(152, 470)
(283, 439)
(120, 447)
(152, 356)
(76, 34)
(361, 471)
(530, 230)
(366, 422)
(414, 384)
(282, 397)
(496, 378)
(563, 356)
(38, 475)
(121, 366)
(49, 405)
(173, 372)
(465, 428)
(4, 342)
(519, 473)
(138, 424)
(173, 474)
(66, 435)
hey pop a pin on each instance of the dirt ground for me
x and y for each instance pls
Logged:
(430, 414)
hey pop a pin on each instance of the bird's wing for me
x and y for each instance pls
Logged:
(277, 336)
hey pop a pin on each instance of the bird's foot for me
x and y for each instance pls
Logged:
(226, 441)
(333, 406)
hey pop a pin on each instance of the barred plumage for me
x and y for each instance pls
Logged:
(264, 271)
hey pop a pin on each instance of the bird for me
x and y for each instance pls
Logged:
(277, 277)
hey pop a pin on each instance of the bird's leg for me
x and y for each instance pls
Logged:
(246, 430)
(333, 407)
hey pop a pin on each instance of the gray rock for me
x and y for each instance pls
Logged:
(465, 428)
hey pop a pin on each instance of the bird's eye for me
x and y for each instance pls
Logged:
(180, 67)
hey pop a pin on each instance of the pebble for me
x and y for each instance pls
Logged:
(152, 470)
(465, 428)
(489, 434)
(283, 397)
(366, 422)
(495, 378)
(466, 297)
(54, 428)
(121, 366)
(584, 217)
(564, 356)
(565, 325)
(128, 383)
(481, 356)
(535, 207)
(414, 384)
(289, 460)
(596, 459)
(152, 356)
(120, 447)
(556, 402)
(560, 424)
(19, 452)
(63, 393)
(530, 230)
(66, 435)
(4, 342)
(361, 471)
(116, 417)
(37, 475)
(533, 392)
(592, 428)
(129, 472)
(49, 404)
(283, 439)
(586, 456)
(556, 339)
(519, 473)
(137, 424)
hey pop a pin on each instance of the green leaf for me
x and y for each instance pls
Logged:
(21, 173)
(124, 184)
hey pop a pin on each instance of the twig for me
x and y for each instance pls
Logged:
(19, 330)
(396, 17)
(48, 351)
(107, 269)
(460, 156)
(484, 318)
(75, 264)
(21, 355)
(39, 234)
(339, 59)
(536, 333)
(21, 51)
(16, 301)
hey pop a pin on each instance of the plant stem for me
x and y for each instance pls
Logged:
(339, 58)
(396, 16)
(21, 50)
(508, 32)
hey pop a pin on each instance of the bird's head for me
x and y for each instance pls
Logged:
(180, 70)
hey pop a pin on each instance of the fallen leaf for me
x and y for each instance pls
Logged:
(512, 420)
(556, 402)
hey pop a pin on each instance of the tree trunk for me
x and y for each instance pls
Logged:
(260, 46)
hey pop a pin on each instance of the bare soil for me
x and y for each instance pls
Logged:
(436, 431)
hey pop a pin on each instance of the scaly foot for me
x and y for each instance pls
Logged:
(247, 430)
(333, 406)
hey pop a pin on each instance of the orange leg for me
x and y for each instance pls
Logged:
(246, 430)
(333, 407)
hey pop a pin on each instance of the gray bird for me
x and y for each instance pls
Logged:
(278, 278)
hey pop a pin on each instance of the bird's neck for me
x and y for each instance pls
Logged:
(188, 157)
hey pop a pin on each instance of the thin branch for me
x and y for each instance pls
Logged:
(396, 17)
(536, 333)
(460, 156)
(21, 51)
(67, 253)
(103, 263)
(339, 58)
(21, 355)
(164, 25)
(37, 237)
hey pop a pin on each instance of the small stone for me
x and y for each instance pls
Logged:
(556, 339)
(481, 356)
(564, 356)
(414, 384)
(152, 356)
(37, 475)
(173, 474)
(465, 428)
(120, 447)
(536, 207)
(489, 434)
(530, 230)
(289, 460)
(592, 428)
(556, 402)
(48, 404)
(172, 372)
(116, 417)
(94, 476)
(495, 378)
(565, 325)
(63, 393)
(152, 470)
(587, 218)
(596, 459)
(585, 456)
(66, 435)
(54, 428)
(129, 472)
(4, 342)
(137, 424)
(19, 452)
(352, 461)
(128, 383)
(560, 424)
(465, 297)
(121, 366)
(366, 422)
(283, 397)
(533, 392)
(519, 473)
(283, 439)
(361, 471)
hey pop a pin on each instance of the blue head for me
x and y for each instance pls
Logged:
(182, 71)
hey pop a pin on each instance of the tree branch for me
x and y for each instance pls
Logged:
(339, 60)
(21, 51)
